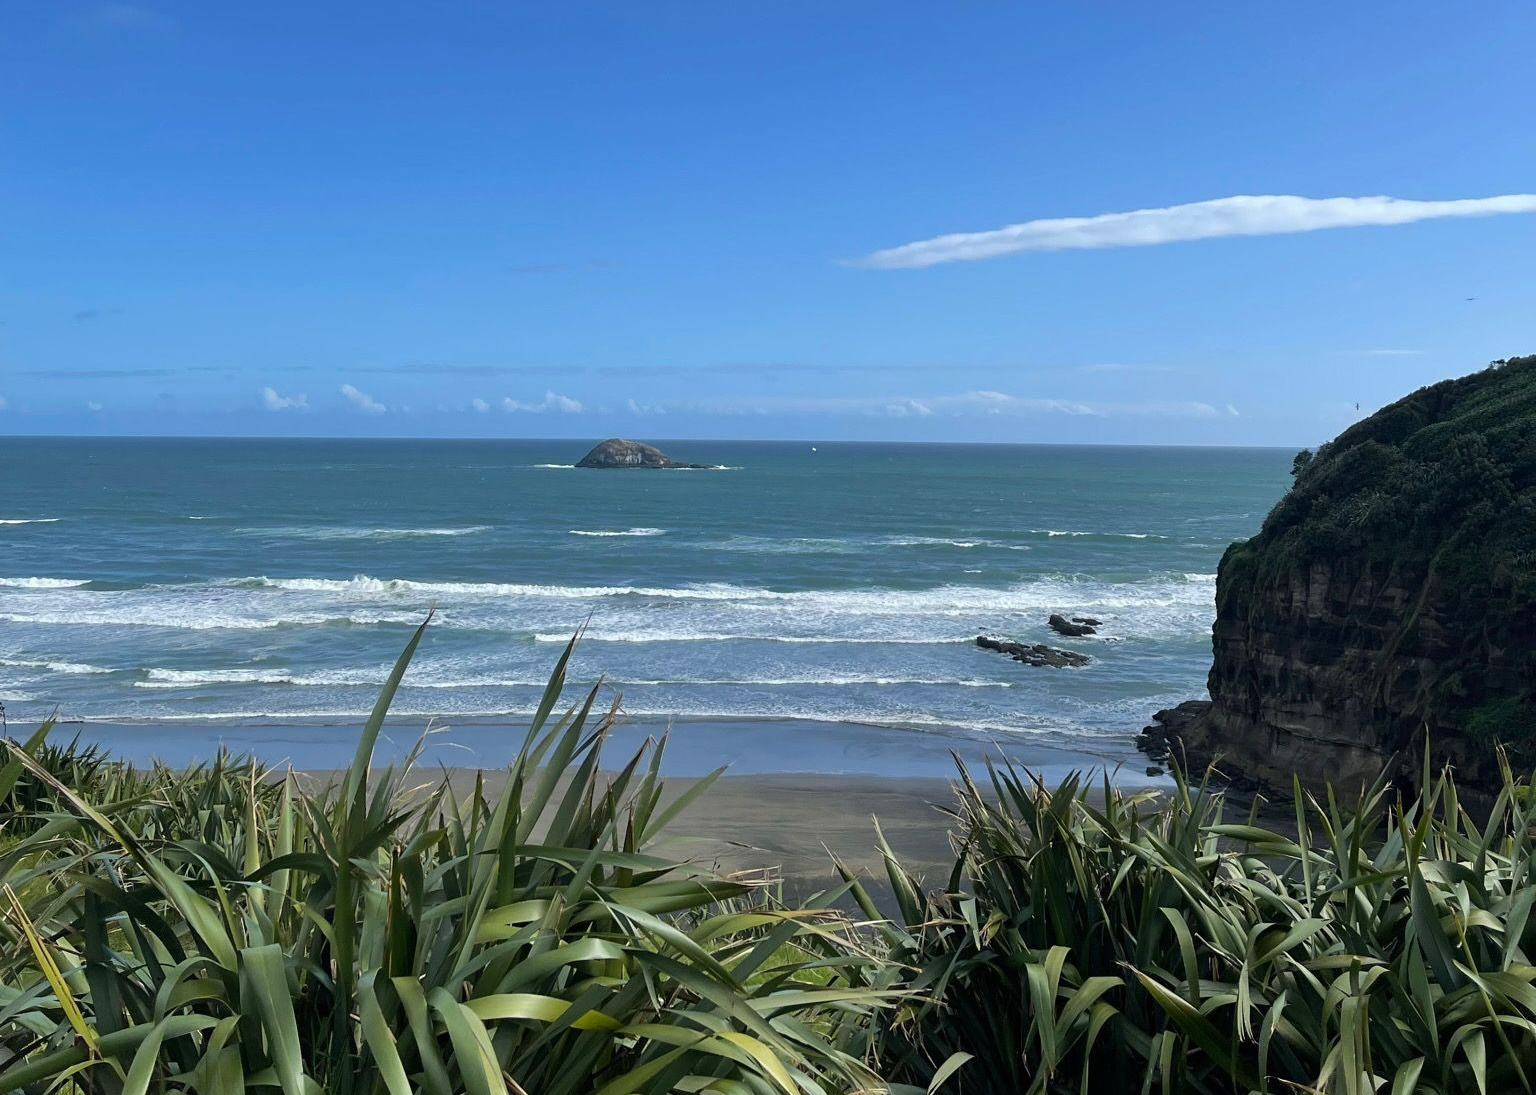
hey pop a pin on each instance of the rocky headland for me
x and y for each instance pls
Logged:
(1389, 601)
(619, 452)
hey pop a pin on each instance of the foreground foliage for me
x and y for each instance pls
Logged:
(1123, 943)
(228, 929)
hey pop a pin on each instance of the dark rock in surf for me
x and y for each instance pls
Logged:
(1161, 739)
(1063, 626)
(617, 452)
(1034, 653)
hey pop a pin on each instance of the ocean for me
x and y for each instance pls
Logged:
(252, 581)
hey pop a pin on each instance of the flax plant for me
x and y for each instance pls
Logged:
(1091, 940)
(230, 929)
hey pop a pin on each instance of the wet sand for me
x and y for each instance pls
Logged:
(793, 793)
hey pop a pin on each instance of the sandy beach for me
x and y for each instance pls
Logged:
(792, 794)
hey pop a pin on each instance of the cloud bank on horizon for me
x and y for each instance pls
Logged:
(1240, 215)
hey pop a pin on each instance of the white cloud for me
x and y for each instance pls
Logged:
(480, 405)
(645, 408)
(362, 400)
(272, 401)
(553, 401)
(93, 406)
(1242, 215)
(1233, 411)
(3, 403)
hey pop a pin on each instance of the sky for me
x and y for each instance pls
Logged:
(1180, 223)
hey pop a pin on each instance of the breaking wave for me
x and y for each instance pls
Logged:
(1055, 532)
(618, 532)
(55, 667)
(345, 532)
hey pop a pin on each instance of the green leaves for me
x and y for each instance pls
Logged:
(228, 927)
(1097, 941)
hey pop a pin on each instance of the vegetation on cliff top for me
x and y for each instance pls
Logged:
(1444, 477)
(1433, 497)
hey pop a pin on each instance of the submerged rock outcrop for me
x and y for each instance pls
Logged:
(618, 452)
(1389, 599)
(1034, 653)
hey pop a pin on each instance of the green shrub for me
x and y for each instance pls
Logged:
(1510, 722)
(1106, 942)
(1452, 465)
(226, 929)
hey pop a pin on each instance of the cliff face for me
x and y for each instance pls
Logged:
(1390, 595)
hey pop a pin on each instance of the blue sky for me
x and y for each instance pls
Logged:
(709, 220)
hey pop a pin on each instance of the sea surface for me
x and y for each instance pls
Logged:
(145, 580)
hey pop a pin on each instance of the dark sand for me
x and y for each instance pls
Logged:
(793, 792)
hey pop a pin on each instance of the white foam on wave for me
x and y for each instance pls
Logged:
(361, 678)
(373, 678)
(217, 676)
(830, 680)
(1152, 606)
(138, 617)
(659, 636)
(1045, 591)
(27, 520)
(55, 666)
(1054, 532)
(44, 583)
(937, 541)
(785, 712)
(365, 584)
(344, 532)
(1199, 577)
(551, 465)
(641, 531)
(839, 545)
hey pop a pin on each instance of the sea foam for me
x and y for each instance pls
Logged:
(618, 532)
(56, 666)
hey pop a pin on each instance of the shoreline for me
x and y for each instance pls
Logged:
(745, 747)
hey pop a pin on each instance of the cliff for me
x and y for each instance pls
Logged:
(1389, 595)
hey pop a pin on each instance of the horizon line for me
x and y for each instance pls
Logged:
(656, 440)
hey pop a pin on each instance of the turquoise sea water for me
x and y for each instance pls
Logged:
(275, 579)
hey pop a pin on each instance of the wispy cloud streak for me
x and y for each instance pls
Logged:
(1242, 215)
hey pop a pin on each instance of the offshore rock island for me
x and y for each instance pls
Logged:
(619, 452)
(1389, 600)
